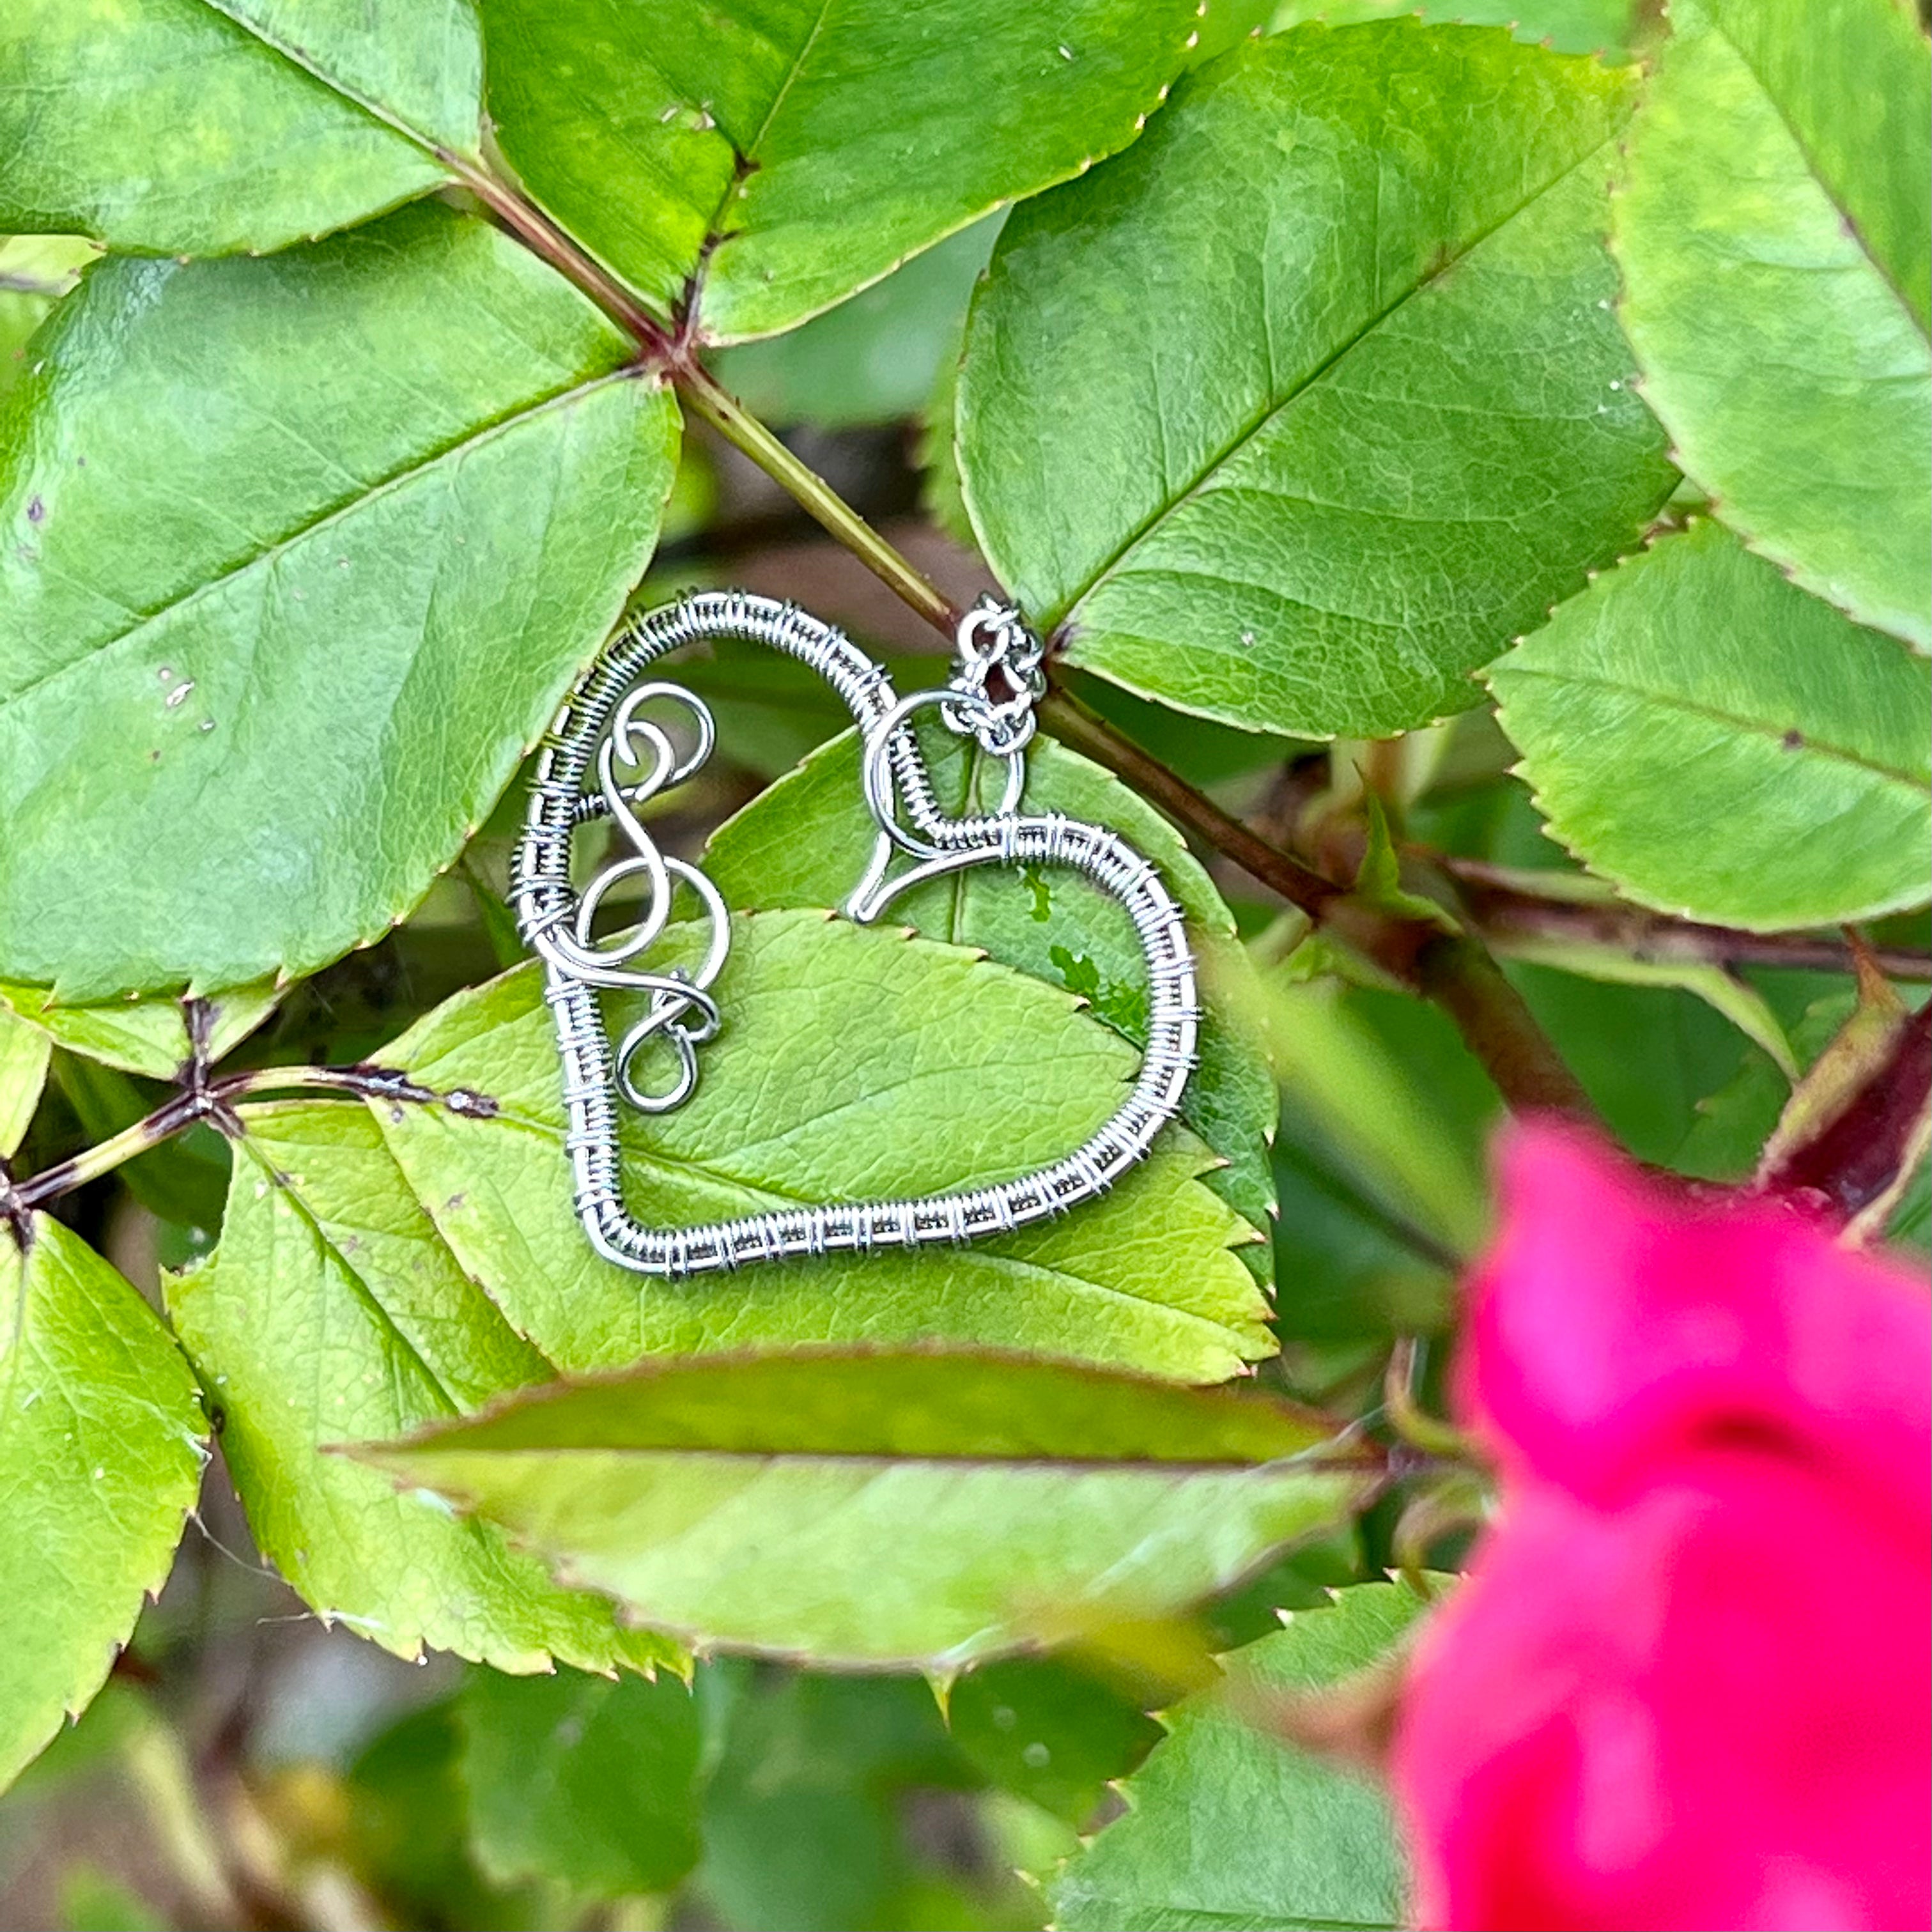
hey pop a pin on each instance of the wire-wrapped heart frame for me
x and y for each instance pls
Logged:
(606, 754)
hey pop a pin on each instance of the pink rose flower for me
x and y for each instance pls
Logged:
(1686, 1683)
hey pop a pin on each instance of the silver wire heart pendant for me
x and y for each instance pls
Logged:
(607, 754)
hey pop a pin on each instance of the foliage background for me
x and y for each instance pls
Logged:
(1383, 358)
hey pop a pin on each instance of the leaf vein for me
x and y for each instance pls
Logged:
(1276, 406)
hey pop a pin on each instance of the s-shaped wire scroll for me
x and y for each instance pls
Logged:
(606, 728)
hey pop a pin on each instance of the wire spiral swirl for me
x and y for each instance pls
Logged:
(681, 1012)
(603, 730)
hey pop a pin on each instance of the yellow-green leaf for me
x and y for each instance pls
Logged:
(1776, 238)
(854, 1508)
(208, 127)
(763, 161)
(1293, 414)
(1723, 746)
(303, 552)
(853, 1064)
(100, 1461)
(331, 1312)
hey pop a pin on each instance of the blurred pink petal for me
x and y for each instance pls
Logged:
(1688, 1682)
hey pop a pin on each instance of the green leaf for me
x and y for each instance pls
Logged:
(25, 1051)
(773, 711)
(806, 841)
(1737, 999)
(1694, 687)
(924, 1508)
(1044, 1729)
(408, 1825)
(1566, 26)
(147, 1037)
(305, 551)
(100, 1460)
(1648, 1055)
(1229, 1830)
(1295, 413)
(807, 1824)
(35, 271)
(874, 358)
(331, 1312)
(1225, 23)
(760, 162)
(1378, 878)
(210, 127)
(1354, 1070)
(853, 1064)
(583, 1780)
(1357, 1274)
(1774, 236)
(1734, 1122)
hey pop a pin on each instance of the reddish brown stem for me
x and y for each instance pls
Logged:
(1454, 970)
(1503, 909)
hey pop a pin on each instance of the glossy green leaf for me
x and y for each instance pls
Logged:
(208, 127)
(807, 840)
(853, 1063)
(1776, 238)
(331, 1312)
(147, 1037)
(786, 153)
(25, 1051)
(302, 553)
(591, 1782)
(35, 271)
(1694, 687)
(927, 1508)
(100, 1460)
(1229, 1830)
(1225, 22)
(874, 358)
(1293, 414)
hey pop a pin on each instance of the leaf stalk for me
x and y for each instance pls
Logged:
(213, 1101)
(709, 398)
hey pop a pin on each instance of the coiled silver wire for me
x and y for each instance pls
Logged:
(602, 726)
